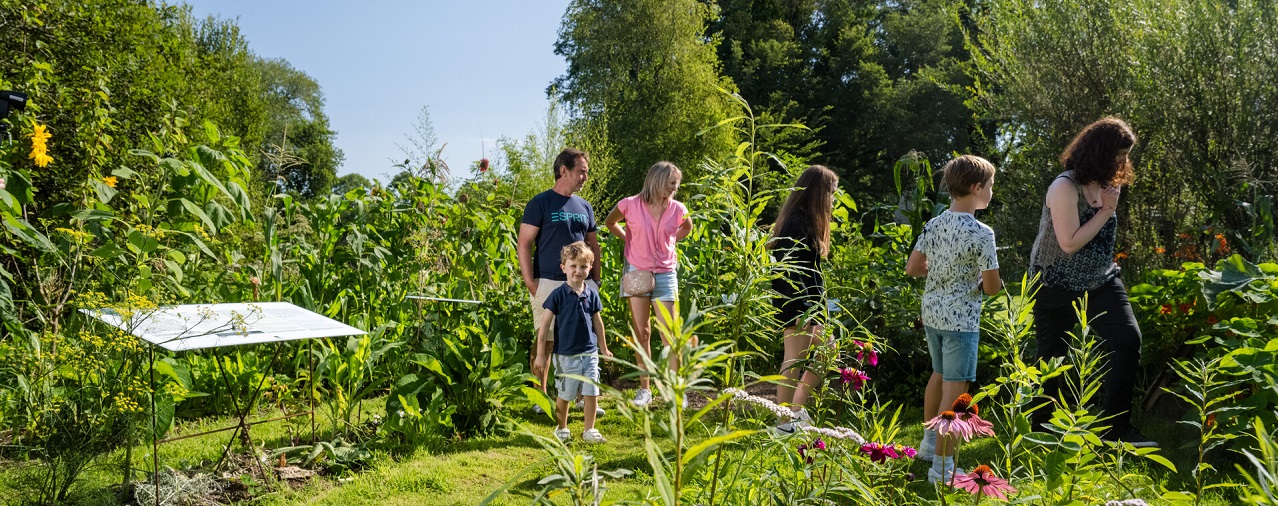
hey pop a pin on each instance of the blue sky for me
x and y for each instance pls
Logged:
(482, 66)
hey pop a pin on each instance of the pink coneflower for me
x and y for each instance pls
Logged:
(967, 412)
(879, 452)
(853, 376)
(982, 482)
(949, 424)
(483, 165)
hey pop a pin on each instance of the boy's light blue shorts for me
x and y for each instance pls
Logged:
(953, 353)
(665, 286)
(587, 365)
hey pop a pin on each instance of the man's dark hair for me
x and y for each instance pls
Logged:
(569, 158)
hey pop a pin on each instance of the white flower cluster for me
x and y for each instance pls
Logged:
(1127, 502)
(741, 395)
(836, 433)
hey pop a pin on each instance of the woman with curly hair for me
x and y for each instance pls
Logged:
(1074, 256)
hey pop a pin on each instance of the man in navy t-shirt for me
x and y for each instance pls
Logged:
(553, 219)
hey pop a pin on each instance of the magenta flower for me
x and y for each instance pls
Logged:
(862, 349)
(982, 482)
(948, 423)
(819, 444)
(906, 451)
(853, 376)
(879, 452)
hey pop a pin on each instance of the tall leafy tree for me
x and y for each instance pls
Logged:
(875, 80)
(648, 70)
(298, 141)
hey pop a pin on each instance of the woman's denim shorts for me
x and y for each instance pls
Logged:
(665, 286)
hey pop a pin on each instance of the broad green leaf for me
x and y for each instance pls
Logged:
(93, 215)
(1161, 461)
(142, 244)
(29, 235)
(123, 173)
(108, 251)
(105, 193)
(199, 213)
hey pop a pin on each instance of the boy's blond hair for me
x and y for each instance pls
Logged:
(961, 173)
(576, 250)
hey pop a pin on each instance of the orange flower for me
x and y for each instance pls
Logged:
(1122, 255)
(1159, 250)
(1166, 309)
(1184, 308)
(1212, 320)
(1184, 235)
(1211, 420)
(1221, 238)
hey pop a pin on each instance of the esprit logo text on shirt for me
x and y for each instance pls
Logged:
(558, 216)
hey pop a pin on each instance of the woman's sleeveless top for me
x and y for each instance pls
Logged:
(1086, 269)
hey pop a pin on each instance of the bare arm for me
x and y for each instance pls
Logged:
(599, 332)
(613, 223)
(917, 264)
(1062, 201)
(592, 240)
(991, 282)
(527, 235)
(685, 228)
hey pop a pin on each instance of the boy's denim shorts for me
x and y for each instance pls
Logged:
(953, 353)
(587, 365)
(665, 286)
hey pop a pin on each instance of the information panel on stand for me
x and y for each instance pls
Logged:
(197, 326)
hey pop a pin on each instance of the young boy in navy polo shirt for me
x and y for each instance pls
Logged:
(573, 309)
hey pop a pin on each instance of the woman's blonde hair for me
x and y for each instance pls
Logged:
(658, 176)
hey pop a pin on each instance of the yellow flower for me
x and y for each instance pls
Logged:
(40, 147)
(110, 181)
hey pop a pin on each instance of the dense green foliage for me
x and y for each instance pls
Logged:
(1196, 80)
(648, 69)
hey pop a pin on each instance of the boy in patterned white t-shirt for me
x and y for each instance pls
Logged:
(957, 255)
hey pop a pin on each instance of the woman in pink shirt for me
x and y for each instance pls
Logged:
(654, 222)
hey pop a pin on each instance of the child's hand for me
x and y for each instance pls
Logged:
(539, 366)
(607, 353)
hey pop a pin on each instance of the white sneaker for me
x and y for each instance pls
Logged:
(934, 476)
(593, 436)
(581, 404)
(801, 418)
(564, 434)
(643, 397)
(537, 409)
